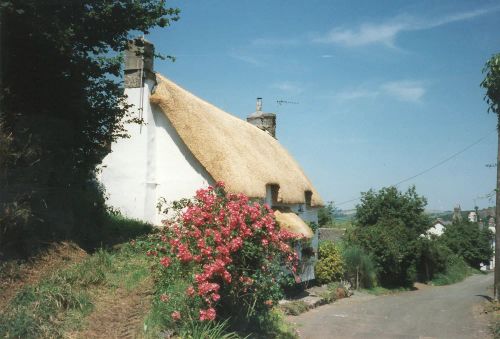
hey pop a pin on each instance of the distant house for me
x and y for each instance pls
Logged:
(438, 227)
(472, 216)
(187, 143)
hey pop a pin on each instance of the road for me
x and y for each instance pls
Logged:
(431, 312)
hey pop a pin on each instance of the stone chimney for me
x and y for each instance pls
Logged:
(457, 214)
(264, 121)
(139, 57)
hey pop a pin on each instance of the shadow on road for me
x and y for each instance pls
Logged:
(487, 297)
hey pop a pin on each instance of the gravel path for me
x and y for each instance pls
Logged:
(431, 312)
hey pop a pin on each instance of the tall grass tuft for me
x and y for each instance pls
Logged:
(360, 267)
(208, 330)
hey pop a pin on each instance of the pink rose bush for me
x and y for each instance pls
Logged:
(220, 255)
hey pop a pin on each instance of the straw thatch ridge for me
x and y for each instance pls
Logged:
(244, 157)
(293, 223)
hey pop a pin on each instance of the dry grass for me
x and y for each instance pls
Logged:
(106, 292)
(14, 275)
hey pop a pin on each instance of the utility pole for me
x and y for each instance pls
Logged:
(2, 51)
(496, 285)
(491, 83)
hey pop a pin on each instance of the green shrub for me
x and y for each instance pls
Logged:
(456, 271)
(470, 241)
(330, 266)
(360, 268)
(294, 307)
(388, 226)
(433, 258)
(392, 248)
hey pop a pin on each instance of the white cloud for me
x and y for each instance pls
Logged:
(386, 32)
(327, 56)
(411, 91)
(406, 90)
(246, 58)
(366, 34)
(273, 42)
(289, 87)
(357, 94)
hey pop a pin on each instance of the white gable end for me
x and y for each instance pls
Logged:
(153, 163)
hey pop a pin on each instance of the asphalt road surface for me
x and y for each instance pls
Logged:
(431, 312)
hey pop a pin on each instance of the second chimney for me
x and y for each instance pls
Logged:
(139, 57)
(264, 121)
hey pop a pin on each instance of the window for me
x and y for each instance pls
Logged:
(272, 194)
(308, 198)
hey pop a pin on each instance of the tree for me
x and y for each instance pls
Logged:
(388, 226)
(390, 203)
(470, 241)
(62, 106)
(491, 83)
(325, 215)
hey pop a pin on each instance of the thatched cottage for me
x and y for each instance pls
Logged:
(186, 143)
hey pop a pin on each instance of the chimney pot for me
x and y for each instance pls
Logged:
(259, 104)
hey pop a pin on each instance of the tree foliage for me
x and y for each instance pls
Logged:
(63, 104)
(470, 241)
(388, 226)
(433, 258)
(325, 215)
(491, 83)
(391, 204)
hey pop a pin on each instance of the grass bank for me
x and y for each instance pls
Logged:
(456, 271)
(106, 293)
(53, 294)
(60, 302)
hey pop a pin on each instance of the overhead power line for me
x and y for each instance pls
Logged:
(454, 155)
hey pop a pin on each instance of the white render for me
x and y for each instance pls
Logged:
(437, 229)
(153, 163)
(472, 216)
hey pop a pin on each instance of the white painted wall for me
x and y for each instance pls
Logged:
(437, 230)
(153, 163)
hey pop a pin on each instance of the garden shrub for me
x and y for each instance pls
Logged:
(392, 246)
(330, 266)
(456, 271)
(294, 307)
(219, 256)
(433, 258)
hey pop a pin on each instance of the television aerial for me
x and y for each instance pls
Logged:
(286, 102)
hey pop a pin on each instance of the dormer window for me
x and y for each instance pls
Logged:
(308, 198)
(272, 194)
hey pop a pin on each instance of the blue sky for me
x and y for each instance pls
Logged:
(385, 89)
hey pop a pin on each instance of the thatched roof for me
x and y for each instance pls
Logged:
(293, 223)
(241, 155)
